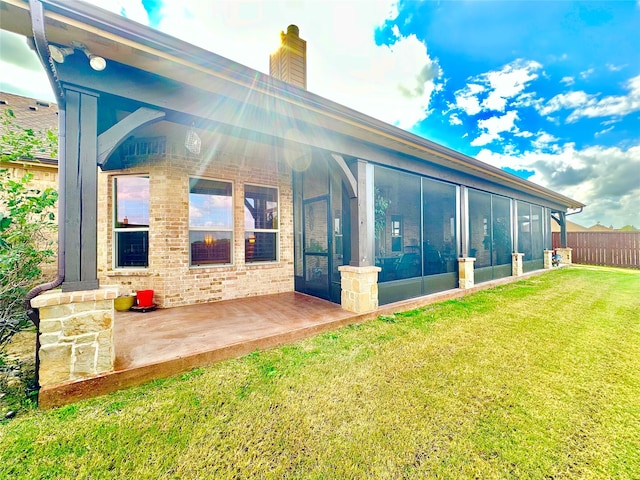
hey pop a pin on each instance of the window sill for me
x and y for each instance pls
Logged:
(262, 264)
(129, 273)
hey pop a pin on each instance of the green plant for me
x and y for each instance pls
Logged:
(26, 223)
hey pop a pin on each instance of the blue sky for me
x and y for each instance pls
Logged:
(549, 90)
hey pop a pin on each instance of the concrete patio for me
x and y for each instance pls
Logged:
(170, 341)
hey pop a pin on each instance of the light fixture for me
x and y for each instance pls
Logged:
(59, 53)
(97, 63)
(192, 141)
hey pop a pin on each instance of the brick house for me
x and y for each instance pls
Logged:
(192, 175)
(265, 199)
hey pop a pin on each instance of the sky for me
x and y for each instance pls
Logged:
(547, 90)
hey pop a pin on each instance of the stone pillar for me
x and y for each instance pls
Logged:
(359, 288)
(76, 334)
(516, 264)
(547, 259)
(465, 272)
(565, 253)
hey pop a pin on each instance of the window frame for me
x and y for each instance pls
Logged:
(230, 230)
(276, 230)
(116, 230)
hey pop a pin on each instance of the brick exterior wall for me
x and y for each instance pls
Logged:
(169, 274)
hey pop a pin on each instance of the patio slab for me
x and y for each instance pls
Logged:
(170, 341)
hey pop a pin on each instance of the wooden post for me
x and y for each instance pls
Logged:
(80, 190)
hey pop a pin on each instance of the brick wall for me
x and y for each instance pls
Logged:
(169, 274)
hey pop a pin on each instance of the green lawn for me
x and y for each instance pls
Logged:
(537, 379)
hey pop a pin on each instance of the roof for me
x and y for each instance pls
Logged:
(29, 113)
(571, 227)
(129, 43)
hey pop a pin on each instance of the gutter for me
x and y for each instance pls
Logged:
(42, 49)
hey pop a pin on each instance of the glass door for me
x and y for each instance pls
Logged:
(316, 247)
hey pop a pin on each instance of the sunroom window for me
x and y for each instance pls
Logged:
(260, 224)
(210, 221)
(131, 221)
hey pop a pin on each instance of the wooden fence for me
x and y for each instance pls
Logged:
(615, 249)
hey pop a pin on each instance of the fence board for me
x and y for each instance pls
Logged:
(614, 249)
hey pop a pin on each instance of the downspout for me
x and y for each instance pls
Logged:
(42, 49)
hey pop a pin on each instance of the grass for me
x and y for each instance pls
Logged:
(537, 379)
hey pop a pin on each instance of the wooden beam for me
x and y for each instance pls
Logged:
(350, 180)
(110, 140)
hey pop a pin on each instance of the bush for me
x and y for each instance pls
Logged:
(26, 223)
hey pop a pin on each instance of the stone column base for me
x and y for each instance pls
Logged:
(465, 272)
(547, 259)
(76, 334)
(517, 269)
(565, 253)
(359, 288)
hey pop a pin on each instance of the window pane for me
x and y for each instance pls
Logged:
(210, 204)
(537, 243)
(260, 208)
(439, 239)
(210, 247)
(397, 199)
(480, 227)
(132, 249)
(524, 230)
(132, 202)
(260, 246)
(501, 230)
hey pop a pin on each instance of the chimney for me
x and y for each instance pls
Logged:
(289, 62)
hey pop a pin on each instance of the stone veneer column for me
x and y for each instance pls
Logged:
(465, 272)
(516, 264)
(547, 259)
(76, 334)
(565, 253)
(359, 288)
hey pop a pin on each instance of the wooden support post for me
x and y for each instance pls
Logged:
(80, 190)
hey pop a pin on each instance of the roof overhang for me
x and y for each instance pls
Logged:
(128, 43)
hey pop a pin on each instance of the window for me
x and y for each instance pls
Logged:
(397, 224)
(439, 244)
(131, 221)
(260, 224)
(210, 221)
(489, 229)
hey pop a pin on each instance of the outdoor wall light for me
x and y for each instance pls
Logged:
(60, 53)
(97, 63)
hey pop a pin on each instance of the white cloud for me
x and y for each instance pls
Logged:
(568, 81)
(393, 84)
(545, 141)
(615, 68)
(508, 82)
(467, 98)
(604, 178)
(454, 119)
(565, 101)
(494, 126)
(602, 132)
(587, 73)
(586, 105)
(495, 90)
(613, 105)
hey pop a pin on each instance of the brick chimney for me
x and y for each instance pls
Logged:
(289, 62)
